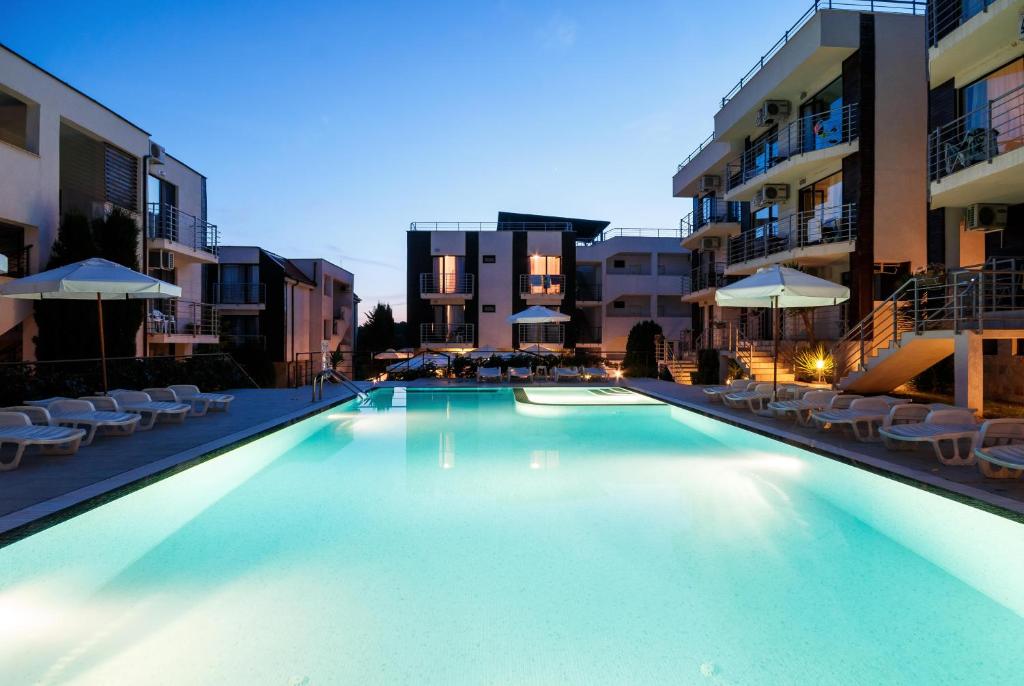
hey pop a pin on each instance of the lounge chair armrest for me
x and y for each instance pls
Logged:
(1000, 431)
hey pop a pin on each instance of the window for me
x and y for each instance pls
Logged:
(765, 221)
(618, 264)
(489, 308)
(992, 103)
(619, 304)
(1019, 347)
(327, 285)
(489, 259)
(544, 265)
(447, 271)
(13, 121)
(121, 183)
(821, 117)
(821, 209)
(990, 346)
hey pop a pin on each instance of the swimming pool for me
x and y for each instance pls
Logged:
(436, 537)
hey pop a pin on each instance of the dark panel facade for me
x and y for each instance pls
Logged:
(859, 173)
(472, 262)
(520, 265)
(418, 262)
(569, 269)
(272, 318)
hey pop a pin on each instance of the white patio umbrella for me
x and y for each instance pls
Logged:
(537, 315)
(483, 352)
(392, 354)
(780, 287)
(92, 279)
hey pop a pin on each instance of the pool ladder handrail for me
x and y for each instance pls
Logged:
(325, 375)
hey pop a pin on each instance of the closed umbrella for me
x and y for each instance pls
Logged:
(92, 279)
(780, 287)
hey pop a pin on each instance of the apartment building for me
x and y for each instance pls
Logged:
(61, 151)
(466, 278)
(816, 160)
(284, 307)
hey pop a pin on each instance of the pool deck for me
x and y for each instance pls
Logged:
(917, 467)
(45, 489)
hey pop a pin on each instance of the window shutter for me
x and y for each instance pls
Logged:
(121, 178)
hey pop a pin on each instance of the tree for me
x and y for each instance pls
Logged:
(377, 331)
(115, 238)
(640, 357)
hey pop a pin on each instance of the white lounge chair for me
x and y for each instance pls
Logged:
(187, 393)
(596, 374)
(519, 374)
(151, 410)
(755, 400)
(792, 391)
(488, 374)
(82, 414)
(565, 373)
(999, 448)
(939, 426)
(17, 429)
(862, 417)
(802, 408)
(715, 393)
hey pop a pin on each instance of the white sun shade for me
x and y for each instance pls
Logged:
(85, 280)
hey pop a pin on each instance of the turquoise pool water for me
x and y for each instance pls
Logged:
(462, 538)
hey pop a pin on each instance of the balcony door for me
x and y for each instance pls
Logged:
(162, 198)
(821, 118)
(448, 271)
(542, 268)
(993, 104)
(820, 209)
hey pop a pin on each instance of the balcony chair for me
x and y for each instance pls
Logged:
(999, 448)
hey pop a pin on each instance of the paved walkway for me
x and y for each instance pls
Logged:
(920, 466)
(44, 485)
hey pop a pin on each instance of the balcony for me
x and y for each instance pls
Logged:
(993, 134)
(792, 152)
(542, 287)
(457, 335)
(541, 334)
(447, 287)
(182, 321)
(240, 295)
(169, 228)
(701, 282)
(816, 237)
(18, 262)
(975, 36)
(713, 217)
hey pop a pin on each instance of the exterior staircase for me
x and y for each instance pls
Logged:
(681, 369)
(918, 325)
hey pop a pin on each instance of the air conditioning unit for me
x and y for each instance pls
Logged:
(161, 259)
(771, 112)
(769, 194)
(985, 218)
(710, 243)
(710, 182)
(156, 153)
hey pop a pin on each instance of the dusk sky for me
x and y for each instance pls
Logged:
(325, 128)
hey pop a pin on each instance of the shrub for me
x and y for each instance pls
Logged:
(707, 367)
(640, 357)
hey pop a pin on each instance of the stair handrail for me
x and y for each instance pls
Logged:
(888, 308)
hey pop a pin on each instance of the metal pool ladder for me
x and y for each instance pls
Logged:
(326, 375)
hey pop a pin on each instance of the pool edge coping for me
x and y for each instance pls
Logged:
(965, 494)
(20, 524)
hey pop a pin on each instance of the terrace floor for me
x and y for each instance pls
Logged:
(919, 466)
(44, 485)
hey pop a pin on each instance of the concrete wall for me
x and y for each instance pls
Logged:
(493, 285)
(448, 243)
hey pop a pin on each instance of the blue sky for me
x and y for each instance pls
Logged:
(325, 128)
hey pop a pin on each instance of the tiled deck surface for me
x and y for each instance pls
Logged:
(45, 484)
(919, 465)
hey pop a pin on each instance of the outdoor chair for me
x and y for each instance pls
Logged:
(17, 429)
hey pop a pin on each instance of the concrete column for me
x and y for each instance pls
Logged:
(969, 374)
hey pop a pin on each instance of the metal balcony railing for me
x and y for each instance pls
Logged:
(541, 284)
(945, 16)
(689, 158)
(490, 226)
(978, 136)
(182, 317)
(894, 6)
(815, 227)
(541, 333)
(240, 293)
(807, 134)
(710, 275)
(169, 223)
(18, 262)
(449, 334)
(712, 211)
(446, 284)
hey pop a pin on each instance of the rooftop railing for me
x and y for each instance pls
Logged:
(633, 232)
(804, 135)
(978, 136)
(820, 226)
(490, 226)
(689, 158)
(945, 16)
(894, 6)
(170, 223)
(711, 211)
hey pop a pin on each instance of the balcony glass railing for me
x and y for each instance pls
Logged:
(894, 6)
(711, 211)
(945, 16)
(447, 334)
(541, 333)
(182, 317)
(446, 284)
(978, 136)
(804, 135)
(541, 284)
(804, 229)
(169, 223)
(240, 293)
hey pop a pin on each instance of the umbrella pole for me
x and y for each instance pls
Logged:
(103, 343)
(775, 341)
